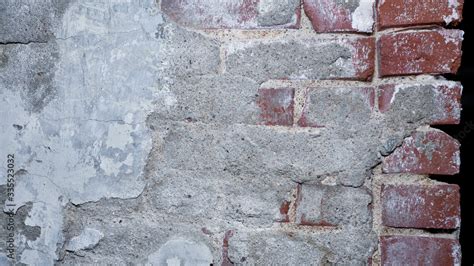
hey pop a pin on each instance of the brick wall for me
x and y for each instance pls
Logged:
(277, 132)
(416, 219)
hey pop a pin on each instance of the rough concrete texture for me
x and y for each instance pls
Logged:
(139, 139)
(242, 14)
(333, 206)
(438, 103)
(302, 59)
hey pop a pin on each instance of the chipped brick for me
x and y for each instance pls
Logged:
(340, 16)
(430, 152)
(420, 52)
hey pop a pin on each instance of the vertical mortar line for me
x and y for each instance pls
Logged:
(377, 211)
(299, 101)
(377, 172)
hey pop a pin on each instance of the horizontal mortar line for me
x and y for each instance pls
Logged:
(414, 28)
(391, 231)
(287, 129)
(278, 35)
(307, 83)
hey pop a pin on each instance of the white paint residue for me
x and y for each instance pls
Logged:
(397, 89)
(453, 5)
(363, 16)
(110, 166)
(452, 36)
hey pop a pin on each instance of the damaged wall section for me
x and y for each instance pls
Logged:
(240, 132)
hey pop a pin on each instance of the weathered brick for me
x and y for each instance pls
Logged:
(420, 52)
(340, 16)
(320, 205)
(415, 206)
(303, 59)
(276, 106)
(402, 13)
(340, 107)
(415, 250)
(435, 104)
(225, 248)
(425, 152)
(238, 14)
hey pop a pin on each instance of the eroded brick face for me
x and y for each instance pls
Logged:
(276, 106)
(341, 16)
(439, 103)
(412, 206)
(431, 152)
(415, 250)
(422, 52)
(403, 13)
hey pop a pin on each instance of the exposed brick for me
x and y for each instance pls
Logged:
(436, 104)
(340, 16)
(402, 13)
(430, 152)
(276, 106)
(225, 248)
(238, 14)
(414, 250)
(303, 59)
(420, 52)
(414, 206)
(340, 106)
(319, 205)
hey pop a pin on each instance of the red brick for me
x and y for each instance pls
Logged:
(225, 248)
(233, 14)
(339, 106)
(415, 206)
(276, 106)
(420, 52)
(414, 250)
(430, 152)
(439, 102)
(364, 58)
(284, 209)
(402, 13)
(340, 16)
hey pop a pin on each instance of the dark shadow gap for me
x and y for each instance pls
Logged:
(465, 134)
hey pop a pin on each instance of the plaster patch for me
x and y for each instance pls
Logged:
(88, 239)
(363, 16)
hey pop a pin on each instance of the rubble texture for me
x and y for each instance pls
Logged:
(197, 132)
